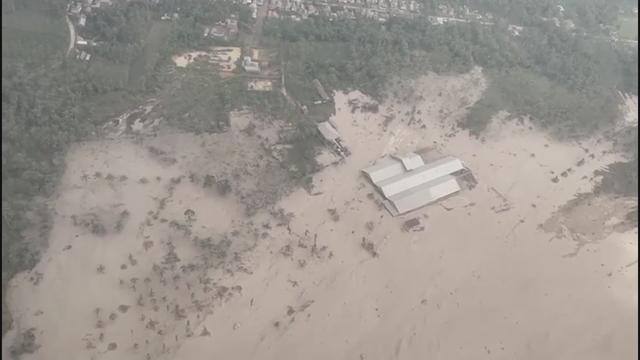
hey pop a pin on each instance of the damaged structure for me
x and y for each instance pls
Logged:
(320, 89)
(332, 137)
(407, 183)
(223, 30)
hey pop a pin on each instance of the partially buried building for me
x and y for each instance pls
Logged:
(331, 136)
(408, 184)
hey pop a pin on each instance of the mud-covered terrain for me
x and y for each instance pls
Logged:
(176, 246)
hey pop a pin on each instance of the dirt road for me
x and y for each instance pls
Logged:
(255, 38)
(72, 34)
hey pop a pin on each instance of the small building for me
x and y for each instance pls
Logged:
(436, 20)
(224, 30)
(76, 8)
(413, 224)
(568, 24)
(255, 55)
(81, 42)
(328, 132)
(320, 89)
(331, 136)
(218, 31)
(83, 55)
(83, 20)
(260, 85)
(100, 3)
(515, 29)
(250, 66)
(232, 26)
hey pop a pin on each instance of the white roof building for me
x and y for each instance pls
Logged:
(422, 195)
(250, 65)
(410, 160)
(405, 181)
(408, 184)
(80, 41)
(384, 169)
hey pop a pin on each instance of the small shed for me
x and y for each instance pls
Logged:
(413, 224)
(250, 66)
(320, 89)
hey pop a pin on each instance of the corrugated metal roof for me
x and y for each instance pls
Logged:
(384, 169)
(328, 131)
(423, 194)
(410, 160)
(405, 181)
(390, 207)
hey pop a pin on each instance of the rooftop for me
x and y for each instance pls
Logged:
(407, 180)
(424, 194)
(384, 169)
(410, 160)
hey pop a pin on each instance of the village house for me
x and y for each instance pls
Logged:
(224, 30)
(250, 66)
(81, 42)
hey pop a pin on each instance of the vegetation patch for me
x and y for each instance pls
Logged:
(24, 344)
(144, 65)
(32, 37)
(555, 108)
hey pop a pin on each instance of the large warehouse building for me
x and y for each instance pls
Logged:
(408, 183)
